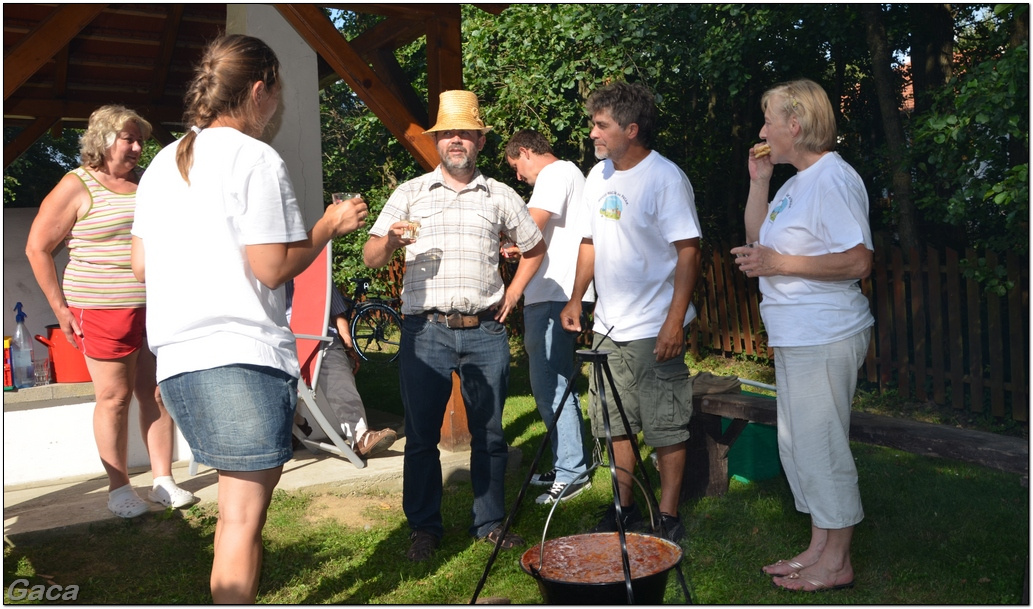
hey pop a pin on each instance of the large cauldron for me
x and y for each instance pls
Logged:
(587, 569)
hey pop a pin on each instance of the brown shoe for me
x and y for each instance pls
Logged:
(423, 545)
(375, 441)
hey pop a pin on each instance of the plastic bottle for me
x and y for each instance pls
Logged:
(21, 352)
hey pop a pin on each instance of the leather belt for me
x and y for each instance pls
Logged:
(458, 321)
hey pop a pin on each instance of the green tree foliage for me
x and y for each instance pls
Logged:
(533, 66)
(966, 174)
(31, 176)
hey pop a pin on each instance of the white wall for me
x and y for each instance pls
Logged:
(297, 135)
(19, 284)
(55, 442)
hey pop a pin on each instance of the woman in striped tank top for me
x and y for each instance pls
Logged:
(100, 304)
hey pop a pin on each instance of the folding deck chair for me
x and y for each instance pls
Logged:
(310, 318)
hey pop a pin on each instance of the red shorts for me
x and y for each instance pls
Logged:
(110, 333)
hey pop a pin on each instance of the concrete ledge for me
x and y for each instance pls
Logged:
(54, 394)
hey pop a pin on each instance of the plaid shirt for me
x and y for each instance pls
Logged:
(454, 265)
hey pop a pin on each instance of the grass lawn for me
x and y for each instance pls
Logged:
(935, 532)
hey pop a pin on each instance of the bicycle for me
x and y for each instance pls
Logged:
(376, 326)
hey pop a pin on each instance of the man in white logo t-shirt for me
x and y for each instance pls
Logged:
(641, 245)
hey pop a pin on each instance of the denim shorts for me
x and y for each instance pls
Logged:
(235, 418)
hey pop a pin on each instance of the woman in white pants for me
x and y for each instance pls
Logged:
(809, 246)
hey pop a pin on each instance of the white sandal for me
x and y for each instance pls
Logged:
(168, 494)
(125, 503)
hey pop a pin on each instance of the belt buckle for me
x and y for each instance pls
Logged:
(454, 320)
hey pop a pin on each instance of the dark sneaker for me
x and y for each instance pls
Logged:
(672, 528)
(561, 491)
(545, 479)
(632, 519)
(423, 545)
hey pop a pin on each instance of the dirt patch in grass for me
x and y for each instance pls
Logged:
(356, 511)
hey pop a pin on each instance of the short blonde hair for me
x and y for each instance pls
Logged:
(807, 101)
(105, 124)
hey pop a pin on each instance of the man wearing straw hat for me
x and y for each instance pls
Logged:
(455, 302)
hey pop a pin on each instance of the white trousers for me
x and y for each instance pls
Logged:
(816, 386)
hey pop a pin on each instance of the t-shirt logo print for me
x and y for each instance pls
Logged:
(787, 201)
(612, 207)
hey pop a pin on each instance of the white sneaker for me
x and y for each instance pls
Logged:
(568, 491)
(168, 494)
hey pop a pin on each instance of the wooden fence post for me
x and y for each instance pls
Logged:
(455, 428)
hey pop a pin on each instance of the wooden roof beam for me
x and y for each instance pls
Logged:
(313, 26)
(82, 108)
(42, 43)
(28, 137)
(386, 65)
(391, 33)
(61, 72)
(165, 51)
(444, 55)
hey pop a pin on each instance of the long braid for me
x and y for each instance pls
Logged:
(222, 86)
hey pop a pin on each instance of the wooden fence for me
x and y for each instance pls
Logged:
(938, 336)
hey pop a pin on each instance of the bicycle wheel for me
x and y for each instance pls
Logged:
(377, 333)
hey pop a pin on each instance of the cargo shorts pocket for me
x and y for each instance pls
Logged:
(670, 396)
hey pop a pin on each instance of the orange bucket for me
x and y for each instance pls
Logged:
(69, 363)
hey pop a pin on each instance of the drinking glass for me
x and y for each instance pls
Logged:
(340, 197)
(41, 370)
(413, 230)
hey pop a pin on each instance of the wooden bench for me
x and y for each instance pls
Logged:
(706, 468)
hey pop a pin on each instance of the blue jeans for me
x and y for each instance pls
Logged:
(550, 356)
(430, 352)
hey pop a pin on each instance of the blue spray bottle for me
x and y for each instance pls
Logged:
(21, 352)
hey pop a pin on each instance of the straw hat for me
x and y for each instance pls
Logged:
(458, 110)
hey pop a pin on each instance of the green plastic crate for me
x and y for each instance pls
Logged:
(754, 456)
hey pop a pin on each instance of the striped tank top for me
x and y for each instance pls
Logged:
(99, 274)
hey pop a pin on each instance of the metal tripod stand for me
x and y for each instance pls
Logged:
(600, 366)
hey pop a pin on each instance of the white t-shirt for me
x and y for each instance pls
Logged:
(634, 218)
(821, 210)
(205, 308)
(558, 189)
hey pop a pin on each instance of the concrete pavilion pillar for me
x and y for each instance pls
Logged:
(295, 133)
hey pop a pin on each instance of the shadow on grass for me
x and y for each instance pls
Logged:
(935, 532)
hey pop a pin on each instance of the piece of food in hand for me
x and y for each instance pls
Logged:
(761, 150)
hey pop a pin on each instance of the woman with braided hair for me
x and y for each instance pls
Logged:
(218, 232)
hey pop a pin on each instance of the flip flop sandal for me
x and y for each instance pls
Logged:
(819, 586)
(792, 564)
(510, 541)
